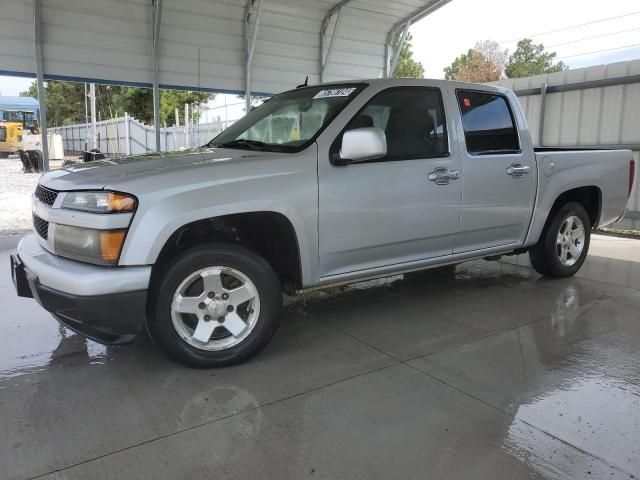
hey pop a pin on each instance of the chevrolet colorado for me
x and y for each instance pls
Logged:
(318, 186)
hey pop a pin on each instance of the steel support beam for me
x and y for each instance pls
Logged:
(42, 94)
(395, 50)
(394, 32)
(326, 57)
(571, 87)
(155, 53)
(543, 95)
(251, 24)
(418, 15)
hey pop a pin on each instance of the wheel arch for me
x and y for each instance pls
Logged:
(270, 234)
(589, 196)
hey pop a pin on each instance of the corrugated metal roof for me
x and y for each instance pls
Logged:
(18, 103)
(110, 40)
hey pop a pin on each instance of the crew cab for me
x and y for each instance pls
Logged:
(321, 185)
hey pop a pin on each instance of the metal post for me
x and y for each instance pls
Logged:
(543, 95)
(397, 50)
(127, 134)
(86, 118)
(155, 47)
(187, 140)
(252, 21)
(327, 58)
(116, 124)
(42, 94)
(94, 125)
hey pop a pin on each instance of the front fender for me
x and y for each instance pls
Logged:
(292, 192)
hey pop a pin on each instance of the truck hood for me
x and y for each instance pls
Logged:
(111, 172)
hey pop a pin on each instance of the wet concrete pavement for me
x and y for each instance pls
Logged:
(486, 372)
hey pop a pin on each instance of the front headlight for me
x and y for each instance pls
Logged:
(101, 247)
(99, 202)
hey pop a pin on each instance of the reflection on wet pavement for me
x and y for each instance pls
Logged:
(485, 370)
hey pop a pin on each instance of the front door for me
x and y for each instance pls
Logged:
(398, 209)
(499, 173)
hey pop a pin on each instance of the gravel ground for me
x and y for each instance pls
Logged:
(15, 195)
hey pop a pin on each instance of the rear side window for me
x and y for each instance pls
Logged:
(489, 127)
(412, 119)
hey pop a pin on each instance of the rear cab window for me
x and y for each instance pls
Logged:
(488, 122)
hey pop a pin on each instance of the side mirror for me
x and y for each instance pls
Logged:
(361, 144)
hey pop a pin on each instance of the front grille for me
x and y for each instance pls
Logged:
(41, 226)
(46, 196)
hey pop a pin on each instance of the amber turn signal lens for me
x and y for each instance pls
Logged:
(110, 245)
(120, 203)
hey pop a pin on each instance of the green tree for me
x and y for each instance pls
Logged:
(407, 66)
(172, 99)
(138, 102)
(484, 62)
(66, 103)
(531, 59)
(451, 72)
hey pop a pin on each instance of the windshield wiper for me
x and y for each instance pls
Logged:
(242, 143)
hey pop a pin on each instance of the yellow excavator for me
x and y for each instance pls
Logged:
(18, 115)
(20, 132)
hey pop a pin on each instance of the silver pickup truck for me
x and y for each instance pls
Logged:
(321, 185)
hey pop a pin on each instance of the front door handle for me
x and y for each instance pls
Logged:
(442, 176)
(517, 170)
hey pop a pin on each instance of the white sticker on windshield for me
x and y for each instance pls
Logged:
(334, 92)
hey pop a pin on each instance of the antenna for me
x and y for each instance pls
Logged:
(305, 84)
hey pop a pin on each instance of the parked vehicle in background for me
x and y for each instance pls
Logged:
(320, 185)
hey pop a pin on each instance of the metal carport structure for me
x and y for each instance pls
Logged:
(243, 46)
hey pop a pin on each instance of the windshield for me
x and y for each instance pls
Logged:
(288, 122)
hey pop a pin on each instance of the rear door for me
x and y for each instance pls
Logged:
(401, 208)
(499, 174)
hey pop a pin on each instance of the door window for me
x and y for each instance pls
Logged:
(489, 127)
(413, 121)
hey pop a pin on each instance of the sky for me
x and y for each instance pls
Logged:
(457, 26)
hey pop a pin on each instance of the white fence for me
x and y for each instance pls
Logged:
(127, 136)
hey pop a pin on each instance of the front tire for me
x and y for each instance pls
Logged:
(214, 305)
(564, 243)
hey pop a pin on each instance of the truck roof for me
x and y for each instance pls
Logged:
(420, 81)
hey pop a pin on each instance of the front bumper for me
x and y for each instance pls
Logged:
(106, 304)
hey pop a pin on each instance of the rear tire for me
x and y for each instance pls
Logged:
(229, 289)
(562, 249)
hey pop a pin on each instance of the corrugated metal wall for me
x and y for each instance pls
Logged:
(597, 106)
(110, 40)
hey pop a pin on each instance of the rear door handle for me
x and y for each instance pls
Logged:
(442, 176)
(517, 170)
